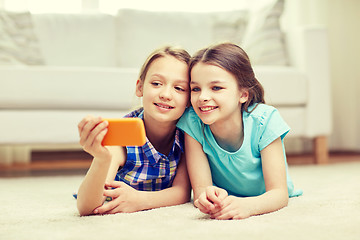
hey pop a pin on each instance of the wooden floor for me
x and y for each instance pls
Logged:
(77, 163)
(50, 164)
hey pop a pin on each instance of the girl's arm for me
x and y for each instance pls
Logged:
(128, 199)
(206, 196)
(274, 170)
(178, 193)
(198, 166)
(103, 167)
(276, 195)
(101, 171)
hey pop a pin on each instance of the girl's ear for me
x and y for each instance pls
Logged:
(139, 88)
(244, 96)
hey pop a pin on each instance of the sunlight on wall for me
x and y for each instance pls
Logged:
(42, 6)
(112, 6)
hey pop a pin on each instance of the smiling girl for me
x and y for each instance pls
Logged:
(149, 176)
(234, 142)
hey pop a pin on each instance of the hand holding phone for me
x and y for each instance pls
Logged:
(125, 132)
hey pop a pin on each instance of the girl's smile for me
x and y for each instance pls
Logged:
(163, 106)
(206, 109)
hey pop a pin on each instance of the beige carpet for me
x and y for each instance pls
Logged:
(43, 208)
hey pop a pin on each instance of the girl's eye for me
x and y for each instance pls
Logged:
(155, 84)
(195, 89)
(217, 88)
(180, 89)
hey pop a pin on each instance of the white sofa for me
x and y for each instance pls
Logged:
(91, 64)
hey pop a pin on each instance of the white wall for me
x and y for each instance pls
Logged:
(342, 19)
(344, 33)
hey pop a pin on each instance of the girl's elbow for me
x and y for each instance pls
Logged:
(83, 213)
(83, 209)
(184, 195)
(285, 199)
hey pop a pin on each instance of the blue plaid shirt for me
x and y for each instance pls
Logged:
(145, 168)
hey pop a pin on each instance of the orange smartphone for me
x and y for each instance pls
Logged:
(124, 132)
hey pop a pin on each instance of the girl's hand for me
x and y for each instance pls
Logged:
(233, 208)
(211, 200)
(124, 199)
(92, 131)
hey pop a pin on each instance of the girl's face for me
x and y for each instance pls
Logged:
(215, 94)
(165, 90)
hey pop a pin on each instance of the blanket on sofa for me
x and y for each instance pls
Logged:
(43, 208)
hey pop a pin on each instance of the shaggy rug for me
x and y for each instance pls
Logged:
(43, 208)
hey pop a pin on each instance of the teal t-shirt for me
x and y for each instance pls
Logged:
(240, 172)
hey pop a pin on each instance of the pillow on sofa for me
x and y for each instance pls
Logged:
(76, 39)
(18, 43)
(229, 25)
(140, 32)
(264, 39)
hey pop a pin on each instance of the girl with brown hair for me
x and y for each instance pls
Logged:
(234, 141)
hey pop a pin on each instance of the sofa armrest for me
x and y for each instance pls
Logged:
(309, 51)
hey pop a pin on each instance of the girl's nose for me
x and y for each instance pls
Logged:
(165, 93)
(204, 96)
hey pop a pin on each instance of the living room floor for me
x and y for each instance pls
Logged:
(77, 162)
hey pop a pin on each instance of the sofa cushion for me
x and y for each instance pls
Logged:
(68, 88)
(76, 39)
(283, 86)
(229, 25)
(264, 39)
(256, 29)
(18, 42)
(140, 32)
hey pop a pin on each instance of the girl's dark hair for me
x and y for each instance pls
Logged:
(233, 59)
(178, 53)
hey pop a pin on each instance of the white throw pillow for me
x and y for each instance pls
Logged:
(229, 25)
(18, 43)
(140, 32)
(264, 39)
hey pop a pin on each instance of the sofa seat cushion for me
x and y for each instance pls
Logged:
(283, 86)
(67, 88)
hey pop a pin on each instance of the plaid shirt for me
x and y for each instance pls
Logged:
(148, 170)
